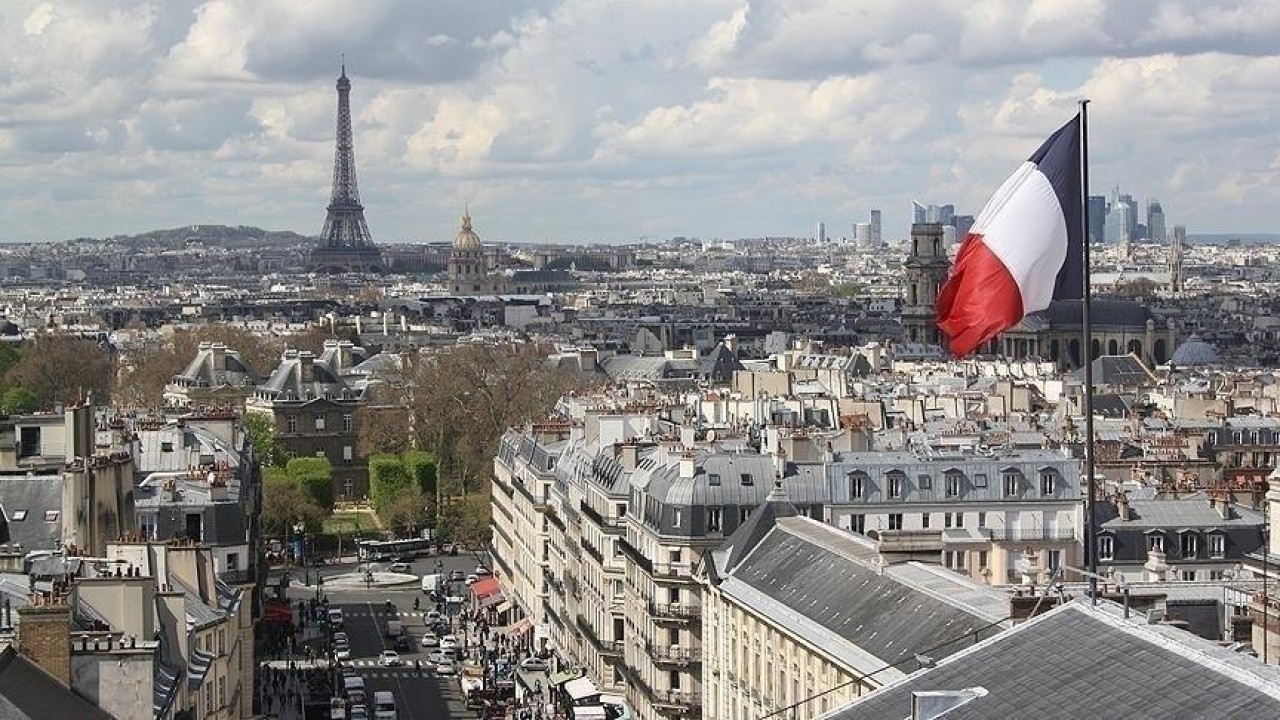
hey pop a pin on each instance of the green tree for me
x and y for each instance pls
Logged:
(422, 468)
(17, 400)
(387, 477)
(261, 429)
(467, 521)
(63, 369)
(406, 511)
(315, 476)
(284, 503)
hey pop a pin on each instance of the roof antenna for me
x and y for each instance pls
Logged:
(342, 61)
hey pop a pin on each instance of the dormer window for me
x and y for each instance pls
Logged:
(1012, 481)
(51, 516)
(1106, 547)
(895, 485)
(924, 482)
(19, 515)
(1217, 545)
(1155, 542)
(1048, 482)
(1190, 544)
(166, 446)
(713, 479)
(857, 485)
(747, 480)
(955, 483)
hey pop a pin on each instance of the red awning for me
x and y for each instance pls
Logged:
(519, 627)
(484, 588)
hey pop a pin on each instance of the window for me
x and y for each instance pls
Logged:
(1055, 560)
(954, 559)
(1189, 575)
(348, 422)
(676, 521)
(1217, 545)
(953, 520)
(1106, 547)
(858, 523)
(982, 519)
(1048, 482)
(147, 524)
(617, 588)
(1155, 542)
(617, 548)
(895, 521)
(982, 560)
(674, 680)
(19, 515)
(924, 521)
(856, 487)
(675, 556)
(347, 453)
(743, 514)
(713, 479)
(1011, 484)
(980, 480)
(51, 516)
(713, 520)
(1217, 575)
(747, 480)
(1190, 545)
(954, 484)
(291, 424)
(924, 482)
(895, 486)
(233, 561)
(319, 422)
(166, 446)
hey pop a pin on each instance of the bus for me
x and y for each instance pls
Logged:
(374, 550)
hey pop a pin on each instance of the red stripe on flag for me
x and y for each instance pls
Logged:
(979, 300)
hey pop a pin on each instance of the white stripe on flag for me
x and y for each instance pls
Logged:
(1024, 226)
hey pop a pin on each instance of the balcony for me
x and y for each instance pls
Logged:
(677, 702)
(635, 556)
(607, 524)
(674, 657)
(608, 648)
(674, 612)
(593, 552)
(681, 572)
(1035, 534)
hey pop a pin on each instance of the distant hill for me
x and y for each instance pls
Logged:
(241, 236)
(1233, 238)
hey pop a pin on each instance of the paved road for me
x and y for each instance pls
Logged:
(419, 695)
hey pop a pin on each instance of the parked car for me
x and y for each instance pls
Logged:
(482, 571)
(533, 664)
(448, 642)
(457, 576)
(472, 579)
(446, 668)
(430, 640)
(342, 652)
(389, 658)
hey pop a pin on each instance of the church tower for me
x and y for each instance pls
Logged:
(1176, 249)
(925, 270)
(468, 270)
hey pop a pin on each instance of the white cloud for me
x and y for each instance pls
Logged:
(582, 118)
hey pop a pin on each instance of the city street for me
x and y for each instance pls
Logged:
(418, 693)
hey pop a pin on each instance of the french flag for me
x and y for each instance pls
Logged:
(1025, 249)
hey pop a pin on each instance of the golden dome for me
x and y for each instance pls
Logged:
(466, 239)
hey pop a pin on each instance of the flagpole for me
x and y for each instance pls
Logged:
(1086, 328)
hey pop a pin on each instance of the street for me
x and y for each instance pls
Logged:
(418, 693)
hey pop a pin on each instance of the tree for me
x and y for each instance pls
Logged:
(17, 400)
(467, 521)
(63, 369)
(406, 510)
(315, 476)
(382, 430)
(261, 429)
(421, 466)
(284, 503)
(387, 478)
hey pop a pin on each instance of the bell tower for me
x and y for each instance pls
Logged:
(925, 270)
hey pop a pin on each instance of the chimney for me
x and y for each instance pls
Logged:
(688, 465)
(1157, 569)
(1122, 506)
(306, 365)
(346, 358)
(731, 343)
(44, 635)
(688, 435)
(1221, 503)
(629, 456)
(588, 359)
(217, 487)
(219, 352)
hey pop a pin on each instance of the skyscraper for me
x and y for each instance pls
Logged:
(875, 228)
(822, 233)
(345, 242)
(918, 212)
(1097, 218)
(1131, 217)
(862, 236)
(1117, 229)
(1155, 222)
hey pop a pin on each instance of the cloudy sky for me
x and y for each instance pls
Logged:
(583, 120)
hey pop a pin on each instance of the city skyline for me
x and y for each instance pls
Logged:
(705, 119)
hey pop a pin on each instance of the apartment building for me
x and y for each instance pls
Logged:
(800, 617)
(994, 515)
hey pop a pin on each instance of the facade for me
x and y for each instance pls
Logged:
(216, 378)
(1189, 539)
(313, 402)
(992, 515)
(782, 635)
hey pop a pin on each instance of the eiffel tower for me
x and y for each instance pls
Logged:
(346, 245)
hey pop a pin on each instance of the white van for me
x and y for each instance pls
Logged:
(335, 617)
(384, 705)
(353, 684)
